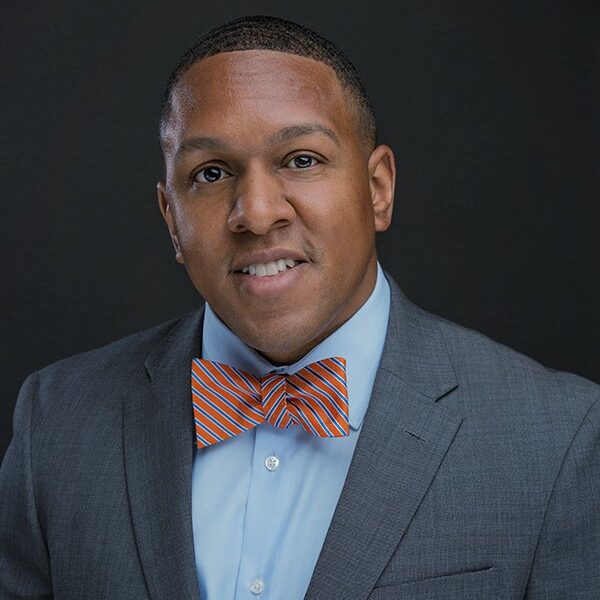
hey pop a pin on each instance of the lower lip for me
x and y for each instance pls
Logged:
(271, 285)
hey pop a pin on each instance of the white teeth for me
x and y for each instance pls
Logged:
(271, 268)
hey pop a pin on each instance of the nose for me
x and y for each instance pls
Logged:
(260, 203)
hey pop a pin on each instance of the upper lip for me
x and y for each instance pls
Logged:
(266, 256)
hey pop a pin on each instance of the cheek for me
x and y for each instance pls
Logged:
(201, 236)
(344, 215)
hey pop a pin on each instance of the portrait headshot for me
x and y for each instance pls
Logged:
(301, 302)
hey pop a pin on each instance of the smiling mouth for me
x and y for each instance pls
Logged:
(270, 269)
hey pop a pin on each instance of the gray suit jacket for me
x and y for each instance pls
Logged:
(476, 475)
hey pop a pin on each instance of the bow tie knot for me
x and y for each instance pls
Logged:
(228, 401)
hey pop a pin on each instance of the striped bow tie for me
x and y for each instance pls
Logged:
(228, 401)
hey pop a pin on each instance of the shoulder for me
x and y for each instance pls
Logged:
(519, 418)
(501, 392)
(98, 377)
(515, 406)
(484, 364)
(117, 357)
(487, 371)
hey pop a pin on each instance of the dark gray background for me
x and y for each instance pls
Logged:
(490, 107)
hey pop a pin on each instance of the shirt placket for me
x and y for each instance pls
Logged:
(264, 505)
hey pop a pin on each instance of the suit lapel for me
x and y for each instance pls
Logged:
(404, 437)
(159, 446)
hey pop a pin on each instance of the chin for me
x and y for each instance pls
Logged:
(280, 343)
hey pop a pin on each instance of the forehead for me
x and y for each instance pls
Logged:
(248, 89)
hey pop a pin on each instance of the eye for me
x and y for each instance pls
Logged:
(209, 175)
(302, 161)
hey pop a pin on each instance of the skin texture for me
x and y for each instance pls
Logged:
(263, 154)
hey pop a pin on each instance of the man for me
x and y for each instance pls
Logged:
(337, 442)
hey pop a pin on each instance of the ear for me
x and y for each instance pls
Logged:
(382, 180)
(165, 209)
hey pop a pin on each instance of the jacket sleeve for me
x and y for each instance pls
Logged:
(24, 561)
(566, 563)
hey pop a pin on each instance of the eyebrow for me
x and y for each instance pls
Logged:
(295, 131)
(199, 143)
(286, 134)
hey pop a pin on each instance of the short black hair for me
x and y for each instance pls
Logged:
(273, 33)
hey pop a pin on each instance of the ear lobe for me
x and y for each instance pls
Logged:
(382, 182)
(165, 209)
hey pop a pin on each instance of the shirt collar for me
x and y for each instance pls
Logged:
(359, 340)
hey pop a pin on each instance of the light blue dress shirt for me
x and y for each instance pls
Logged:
(262, 501)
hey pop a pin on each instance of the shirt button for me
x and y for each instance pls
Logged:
(272, 463)
(257, 586)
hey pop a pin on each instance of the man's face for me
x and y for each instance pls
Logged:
(266, 172)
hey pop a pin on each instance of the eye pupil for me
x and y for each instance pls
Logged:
(303, 161)
(212, 173)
